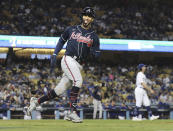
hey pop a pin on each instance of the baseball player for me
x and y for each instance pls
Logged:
(26, 117)
(81, 41)
(37, 113)
(97, 97)
(141, 94)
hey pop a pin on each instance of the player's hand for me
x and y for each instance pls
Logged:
(52, 63)
(152, 91)
(95, 53)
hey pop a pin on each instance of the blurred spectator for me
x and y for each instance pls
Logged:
(122, 115)
(6, 106)
(19, 83)
(150, 20)
(163, 104)
(112, 107)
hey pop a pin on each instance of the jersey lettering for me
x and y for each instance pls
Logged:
(83, 39)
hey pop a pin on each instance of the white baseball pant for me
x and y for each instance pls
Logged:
(141, 97)
(71, 69)
(97, 106)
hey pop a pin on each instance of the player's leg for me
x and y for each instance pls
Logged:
(58, 90)
(95, 108)
(66, 115)
(72, 70)
(100, 110)
(138, 98)
(146, 103)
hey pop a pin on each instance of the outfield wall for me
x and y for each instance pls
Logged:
(86, 113)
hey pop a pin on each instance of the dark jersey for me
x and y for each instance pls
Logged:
(97, 93)
(80, 42)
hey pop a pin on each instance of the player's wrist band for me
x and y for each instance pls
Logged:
(54, 54)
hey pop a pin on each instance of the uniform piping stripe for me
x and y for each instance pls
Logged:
(63, 38)
(70, 71)
(79, 29)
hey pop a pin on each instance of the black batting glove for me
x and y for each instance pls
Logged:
(52, 63)
(95, 53)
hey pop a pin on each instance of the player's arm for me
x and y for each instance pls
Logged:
(64, 37)
(95, 49)
(90, 91)
(95, 90)
(147, 88)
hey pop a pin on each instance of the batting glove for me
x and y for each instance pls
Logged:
(52, 62)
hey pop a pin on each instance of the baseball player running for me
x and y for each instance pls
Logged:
(141, 94)
(81, 41)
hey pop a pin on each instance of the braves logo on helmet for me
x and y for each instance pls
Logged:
(88, 11)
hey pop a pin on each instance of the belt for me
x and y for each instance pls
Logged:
(74, 57)
(140, 86)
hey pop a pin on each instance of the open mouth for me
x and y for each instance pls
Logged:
(86, 22)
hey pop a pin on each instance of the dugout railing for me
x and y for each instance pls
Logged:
(86, 113)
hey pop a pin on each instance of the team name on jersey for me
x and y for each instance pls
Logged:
(83, 39)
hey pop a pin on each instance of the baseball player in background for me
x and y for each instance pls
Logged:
(37, 113)
(81, 41)
(97, 97)
(26, 117)
(141, 94)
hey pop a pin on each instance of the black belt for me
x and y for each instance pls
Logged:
(74, 57)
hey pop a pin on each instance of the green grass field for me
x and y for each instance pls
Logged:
(87, 125)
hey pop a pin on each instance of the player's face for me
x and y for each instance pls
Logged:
(87, 20)
(143, 68)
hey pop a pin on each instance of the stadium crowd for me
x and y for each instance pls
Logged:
(23, 79)
(120, 19)
(150, 20)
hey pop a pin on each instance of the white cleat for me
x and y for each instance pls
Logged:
(33, 105)
(121, 117)
(154, 117)
(74, 117)
(66, 117)
(136, 119)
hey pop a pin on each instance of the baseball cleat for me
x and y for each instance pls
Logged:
(33, 105)
(74, 117)
(136, 119)
(154, 117)
(67, 118)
